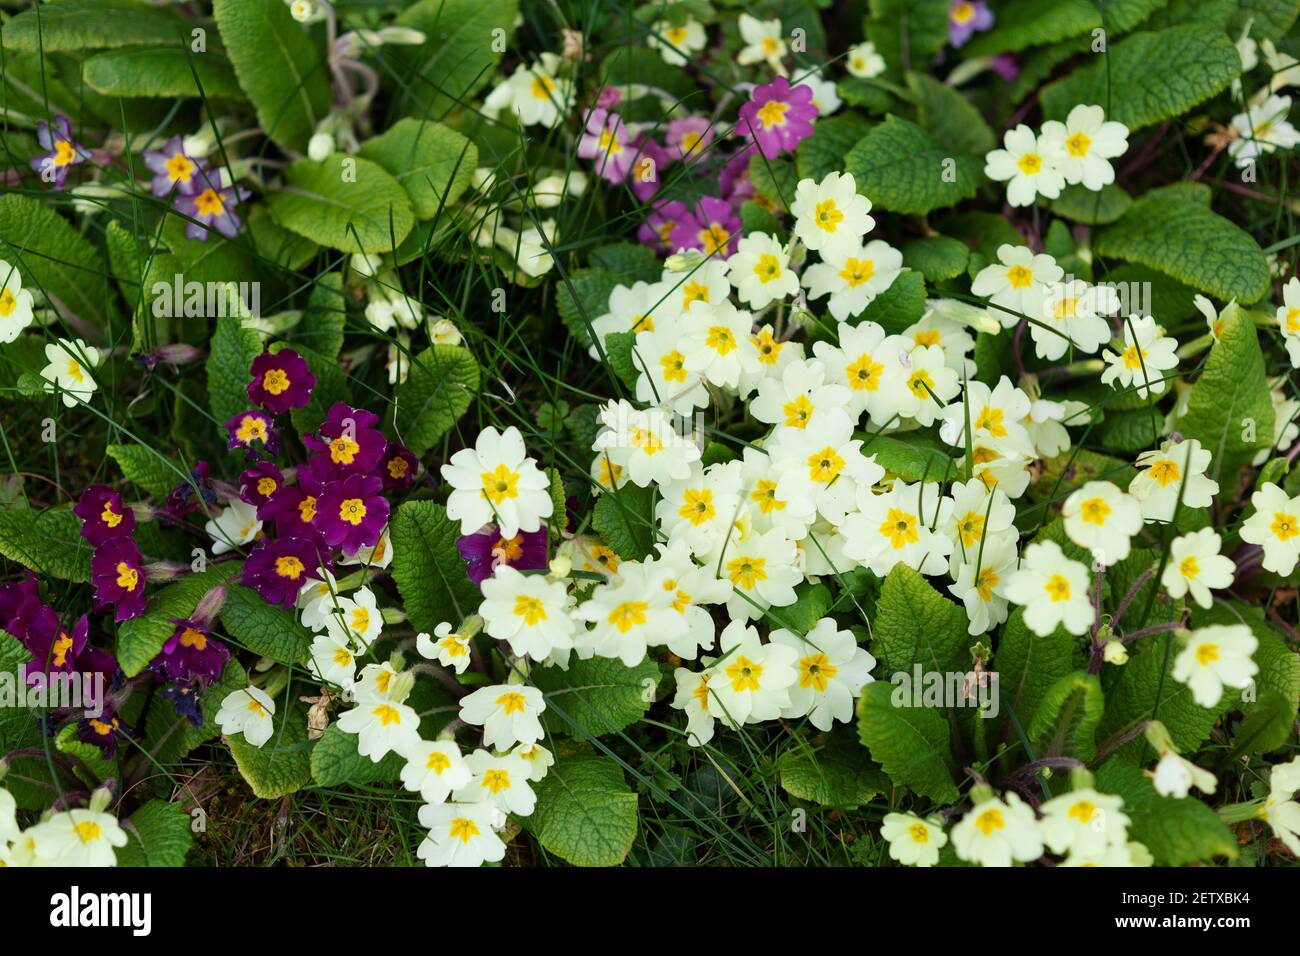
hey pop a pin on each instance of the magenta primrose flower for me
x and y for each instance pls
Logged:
(281, 381)
(352, 513)
(966, 18)
(173, 170)
(608, 141)
(709, 227)
(648, 166)
(294, 511)
(250, 429)
(778, 117)
(62, 152)
(103, 516)
(349, 443)
(117, 571)
(259, 483)
(212, 205)
(191, 652)
(398, 467)
(485, 550)
(657, 228)
(277, 569)
(690, 137)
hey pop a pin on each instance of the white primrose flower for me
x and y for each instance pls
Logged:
(8, 818)
(1216, 657)
(460, 834)
(1083, 822)
(451, 649)
(1288, 318)
(676, 43)
(1262, 129)
(381, 727)
(995, 413)
(663, 376)
(1174, 776)
(825, 94)
(248, 712)
(763, 573)
(862, 363)
(378, 683)
(980, 580)
(68, 371)
(1072, 318)
(496, 481)
(1046, 424)
(636, 308)
(15, 303)
(1174, 469)
(760, 272)
(978, 512)
(1275, 526)
(500, 780)
(645, 444)
(764, 41)
(935, 328)
(995, 833)
(630, 615)
(357, 619)
(81, 837)
(1053, 590)
(537, 759)
(832, 670)
(1281, 810)
(690, 588)
(718, 344)
(1102, 519)
(692, 697)
(535, 93)
(823, 464)
(531, 612)
(924, 383)
(853, 275)
(331, 660)
(1083, 146)
(774, 354)
(706, 284)
(1148, 355)
(1017, 282)
(764, 508)
(699, 510)
(831, 216)
(434, 770)
(234, 527)
(753, 679)
(1196, 567)
(508, 713)
(1028, 164)
(913, 841)
(793, 400)
(863, 61)
(898, 527)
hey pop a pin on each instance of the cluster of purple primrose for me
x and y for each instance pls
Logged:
(333, 506)
(60, 652)
(197, 190)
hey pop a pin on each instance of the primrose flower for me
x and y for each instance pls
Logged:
(709, 226)
(500, 781)
(347, 443)
(62, 151)
(281, 381)
(278, 569)
(831, 215)
(994, 833)
(863, 61)
(690, 136)
(1083, 823)
(174, 170)
(913, 841)
(608, 142)
(629, 615)
(1262, 129)
(760, 271)
(352, 513)
(853, 276)
(15, 303)
(1018, 283)
(212, 205)
(529, 611)
(451, 649)
(460, 834)
(484, 551)
(1216, 657)
(191, 652)
(535, 93)
(753, 680)
(434, 769)
(778, 117)
(764, 41)
(330, 659)
(248, 712)
(103, 516)
(250, 428)
(382, 727)
(676, 43)
(1148, 355)
(966, 18)
(117, 571)
(1275, 526)
(496, 481)
(1053, 590)
(1288, 317)
(236, 526)
(832, 670)
(1103, 519)
(1174, 469)
(1084, 145)
(644, 443)
(898, 527)
(1280, 809)
(508, 713)
(1027, 164)
(68, 371)
(81, 837)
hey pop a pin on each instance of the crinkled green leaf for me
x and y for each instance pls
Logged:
(158, 834)
(429, 571)
(625, 520)
(1065, 724)
(823, 152)
(835, 774)
(321, 328)
(344, 202)
(459, 55)
(54, 258)
(280, 766)
(585, 812)
(335, 762)
(433, 163)
(267, 630)
(915, 624)
(1176, 831)
(598, 696)
(947, 115)
(47, 541)
(901, 168)
(438, 391)
(1093, 208)
(230, 357)
(910, 743)
(91, 25)
(140, 639)
(164, 72)
(1028, 665)
(147, 468)
(936, 257)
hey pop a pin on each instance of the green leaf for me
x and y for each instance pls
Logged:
(811, 604)
(618, 349)
(774, 180)
(140, 639)
(585, 812)
(321, 328)
(158, 834)
(438, 391)
(1065, 723)
(1093, 208)
(1172, 233)
(936, 257)
(265, 629)
(47, 541)
(823, 152)
(335, 762)
(458, 57)
(1176, 831)
(1029, 665)
(1268, 19)
(1026, 23)
(53, 257)
(429, 571)
(898, 306)
(835, 774)
(278, 66)
(230, 358)
(170, 737)
(434, 164)
(18, 725)
(899, 167)
(1229, 410)
(949, 116)
(275, 244)
(598, 696)
(280, 766)
(909, 743)
(629, 261)
(91, 25)
(1149, 77)
(625, 520)
(147, 469)
(583, 299)
(916, 625)
(164, 72)
(344, 202)
(906, 33)
(910, 460)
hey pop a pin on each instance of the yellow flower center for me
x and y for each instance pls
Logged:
(1094, 511)
(289, 567)
(816, 672)
(209, 203)
(276, 381)
(1030, 164)
(87, 831)
(864, 373)
(990, 821)
(697, 506)
(772, 113)
(1284, 526)
(825, 465)
(194, 638)
(745, 572)
(990, 420)
(1057, 588)
(1020, 277)
(343, 450)
(1077, 145)
(1189, 567)
(720, 339)
(127, 576)
(629, 614)
(674, 366)
(463, 829)
(745, 675)
(900, 528)
(530, 609)
(798, 412)
(767, 268)
(1207, 654)
(179, 168)
(500, 484)
(857, 271)
(827, 215)
(512, 702)
(1083, 810)
(352, 510)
